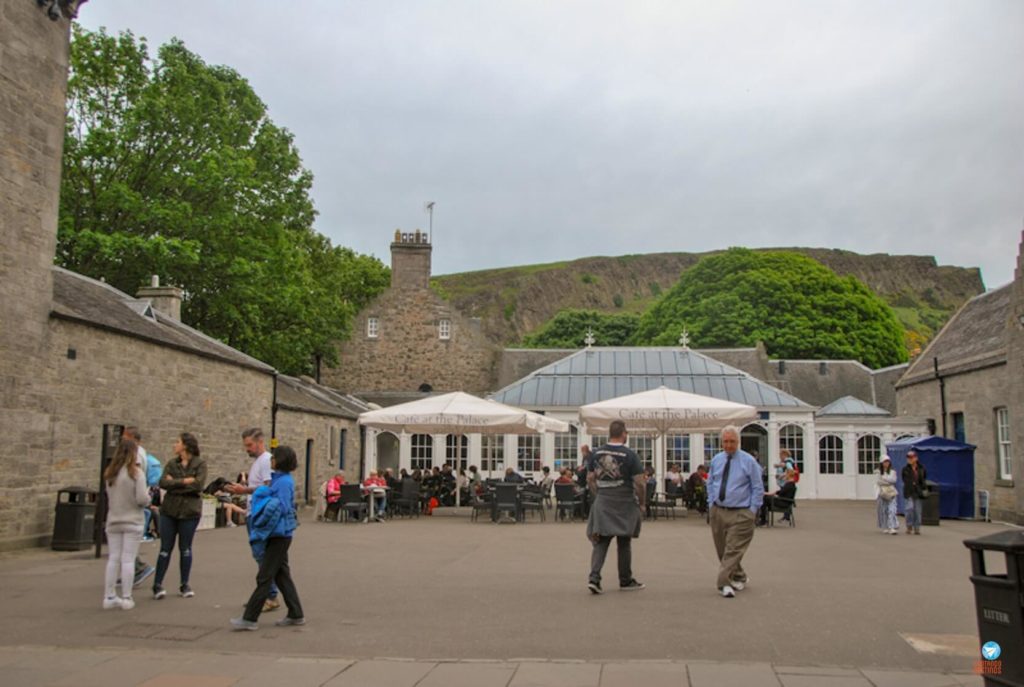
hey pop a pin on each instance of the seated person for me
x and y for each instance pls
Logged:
(512, 476)
(377, 484)
(546, 481)
(695, 489)
(390, 479)
(786, 491)
(333, 494)
(565, 477)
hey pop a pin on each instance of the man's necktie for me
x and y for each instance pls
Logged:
(725, 479)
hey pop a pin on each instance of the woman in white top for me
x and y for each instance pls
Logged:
(127, 495)
(885, 494)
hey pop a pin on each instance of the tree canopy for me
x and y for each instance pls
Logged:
(568, 328)
(795, 305)
(173, 167)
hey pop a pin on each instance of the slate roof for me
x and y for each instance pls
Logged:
(305, 395)
(848, 405)
(597, 374)
(96, 304)
(975, 337)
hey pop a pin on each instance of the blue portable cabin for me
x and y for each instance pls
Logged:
(948, 463)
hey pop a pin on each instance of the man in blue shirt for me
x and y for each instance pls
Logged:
(735, 493)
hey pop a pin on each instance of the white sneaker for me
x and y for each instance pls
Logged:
(739, 586)
(894, 531)
(128, 603)
(728, 592)
(111, 602)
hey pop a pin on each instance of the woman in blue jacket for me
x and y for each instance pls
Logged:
(273, 522)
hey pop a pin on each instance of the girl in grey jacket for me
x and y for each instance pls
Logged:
(127, 495)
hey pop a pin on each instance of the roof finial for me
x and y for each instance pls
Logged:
(684, 339)
(589, 338)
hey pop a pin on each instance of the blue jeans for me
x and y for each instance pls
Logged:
(912, 509)
(185, 531)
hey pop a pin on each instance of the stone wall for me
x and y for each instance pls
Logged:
(975, 395)
(1015, 373)
(408, 351)
(33, 74)
(297, 429)
(115, 379)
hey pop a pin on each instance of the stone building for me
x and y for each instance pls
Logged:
(79, 358)
(410, 340)
(970, 382)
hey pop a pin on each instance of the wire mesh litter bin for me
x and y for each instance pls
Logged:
(999, 599)
(930, 506)
(74, 519)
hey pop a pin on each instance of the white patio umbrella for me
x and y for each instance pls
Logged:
(459, 413)
(663, 411)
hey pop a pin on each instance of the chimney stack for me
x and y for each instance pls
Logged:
(166, 299)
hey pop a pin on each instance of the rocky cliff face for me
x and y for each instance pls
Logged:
(514, 301)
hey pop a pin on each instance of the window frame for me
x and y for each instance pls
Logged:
(1004, 444)
(867, 458)
(421, 453)
(444, 329)
(830, 457)
(372, 327)
(794, 443)
(530, 446)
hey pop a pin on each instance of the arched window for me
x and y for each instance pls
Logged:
(830, 455)
(791, 437)
(422, 452)
(869, 450)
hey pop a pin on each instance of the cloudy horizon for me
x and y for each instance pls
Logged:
(553, 131)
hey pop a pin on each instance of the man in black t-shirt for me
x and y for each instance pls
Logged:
(616, 480)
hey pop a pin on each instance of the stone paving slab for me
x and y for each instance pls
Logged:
(892, 678)
(469, 675)
(554, 674)
(822, 680)
(817, 670)
(382, 674)
(648, 674)
(732, 675)
(297, 672)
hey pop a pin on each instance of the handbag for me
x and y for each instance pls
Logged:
(887, 492)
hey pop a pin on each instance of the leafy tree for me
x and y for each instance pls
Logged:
(568, 328)
(172, 167)
(796, 306)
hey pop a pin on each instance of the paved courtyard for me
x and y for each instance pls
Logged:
(831, 594)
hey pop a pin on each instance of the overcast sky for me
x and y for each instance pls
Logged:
(554, 129)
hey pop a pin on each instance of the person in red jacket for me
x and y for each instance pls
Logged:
(376, 486)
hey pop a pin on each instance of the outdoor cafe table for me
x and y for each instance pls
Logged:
(371, 494)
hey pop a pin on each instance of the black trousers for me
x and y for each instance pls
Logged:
(624, 546)
(274, 568)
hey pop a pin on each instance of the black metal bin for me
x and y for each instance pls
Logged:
(999, 599)
(930, 506)
(74, 520)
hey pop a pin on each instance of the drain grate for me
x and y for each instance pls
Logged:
(174, 633)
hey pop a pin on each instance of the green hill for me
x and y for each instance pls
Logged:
(514, 301)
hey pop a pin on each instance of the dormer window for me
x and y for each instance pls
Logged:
(444, 330)
(372, 327)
